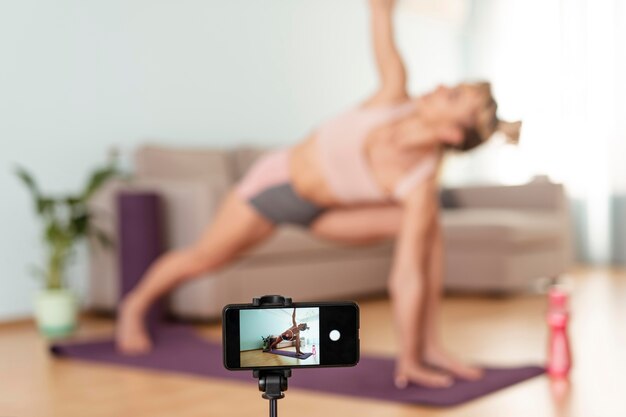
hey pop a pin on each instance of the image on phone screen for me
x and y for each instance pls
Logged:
(279, 337)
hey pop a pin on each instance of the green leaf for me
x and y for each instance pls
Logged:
(80, 225)
(104, 239)
(44, 205)
(55, 234)
(29, 181)
(98, 178)
(72, 201)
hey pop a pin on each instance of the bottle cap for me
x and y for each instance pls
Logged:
(557, 298)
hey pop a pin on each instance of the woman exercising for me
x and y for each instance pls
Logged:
(292, 334)
(363, 176)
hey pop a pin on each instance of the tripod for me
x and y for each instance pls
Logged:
(272, 381)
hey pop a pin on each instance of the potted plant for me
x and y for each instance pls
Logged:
(267, 341)
(66, 221)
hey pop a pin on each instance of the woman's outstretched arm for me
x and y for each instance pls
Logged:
(433, 351)
(390, 66)
(293, 317)
(408, 286)
(407, 283)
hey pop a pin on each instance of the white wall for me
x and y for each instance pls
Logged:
(78, 77)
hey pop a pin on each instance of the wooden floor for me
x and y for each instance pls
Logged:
(504, 331)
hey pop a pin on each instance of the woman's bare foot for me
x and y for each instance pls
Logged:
(131, 335)
(420, 375)
(442, 360)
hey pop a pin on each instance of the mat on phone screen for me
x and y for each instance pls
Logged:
(178, 349)
(290, 354)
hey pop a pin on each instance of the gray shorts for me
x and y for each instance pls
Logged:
(267, 187)
(280, 204)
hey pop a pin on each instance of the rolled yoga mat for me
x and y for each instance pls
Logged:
(178, 349)
(140, 231)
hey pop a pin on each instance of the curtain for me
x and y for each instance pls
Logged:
(560, 66)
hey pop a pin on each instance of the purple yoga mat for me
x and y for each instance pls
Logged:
(178, 349)
(290, 354)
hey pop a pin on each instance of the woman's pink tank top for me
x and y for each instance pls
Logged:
(340, 142)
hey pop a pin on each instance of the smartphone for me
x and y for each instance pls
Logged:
(302, 335)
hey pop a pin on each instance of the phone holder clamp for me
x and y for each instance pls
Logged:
(272, 300)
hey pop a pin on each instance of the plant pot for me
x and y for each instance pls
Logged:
(55, 313)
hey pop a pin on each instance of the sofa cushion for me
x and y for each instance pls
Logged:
(501, 227)
(184, 163)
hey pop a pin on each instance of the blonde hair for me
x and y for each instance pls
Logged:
(487, 122)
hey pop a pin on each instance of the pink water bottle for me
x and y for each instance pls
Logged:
(559, 355)
(313, 350)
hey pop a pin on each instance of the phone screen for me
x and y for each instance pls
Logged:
(299, 336)
(279, 337)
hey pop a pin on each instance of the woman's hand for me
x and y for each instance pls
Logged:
(383, 3)
(391, 71)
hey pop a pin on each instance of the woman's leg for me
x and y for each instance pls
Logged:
(359, 226)
(236, 227)
(275, 343)
(365, 226)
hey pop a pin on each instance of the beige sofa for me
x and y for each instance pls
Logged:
(498, 239)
